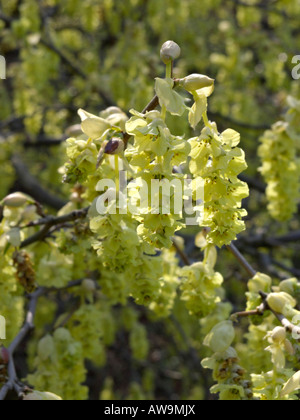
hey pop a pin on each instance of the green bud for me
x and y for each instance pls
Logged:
(15, 200)
(289, 286)
(278, 301)
(292, 385)
(195, 82)
(169, 51)
(88, 285)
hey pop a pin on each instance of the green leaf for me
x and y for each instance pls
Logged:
(173, 102)
(292, 385)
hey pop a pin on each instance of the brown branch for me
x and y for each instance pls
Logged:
(30, 185)
(271, 242)
(13, 381)
(264, 5)
(242, 260)
(185, 259)
(192, 352)
(50, 221)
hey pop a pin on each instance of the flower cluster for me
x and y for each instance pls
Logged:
(279, 153)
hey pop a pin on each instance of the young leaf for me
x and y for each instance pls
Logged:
(198, 109)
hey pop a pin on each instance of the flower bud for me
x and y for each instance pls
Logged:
(278, 335)
(114, 146)
(4, 355)
(278, 301)
(195, 82)
(17, 199)
(169, 51)
(41, 396)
